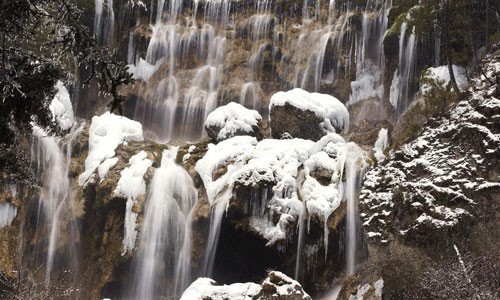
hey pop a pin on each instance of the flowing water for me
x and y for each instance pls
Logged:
(355, 164)
(58, 231)
(165, 239)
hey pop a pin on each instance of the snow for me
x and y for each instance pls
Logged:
(360, 292)
(131, 185)
(7, 214)
(381, 144)
(438, 175)
(379, 286)
(276, 163)
(105, 134)
(143, 70)
(233, 118)
(326, 107)
(61, 107)
(104, 168)
(442, 75)
(206, 288)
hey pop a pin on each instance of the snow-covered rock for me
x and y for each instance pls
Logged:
(231, 120)
(61, 107)
(105, 134)
(277, 286)
(272, 168)
(301, 114)
(432, 185)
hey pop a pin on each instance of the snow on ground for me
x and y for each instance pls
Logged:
(325, 107)
(61, 107)
(131, 185)
(105, 134)
(7, 214)
(276, 163)
(377, 288)
(275, 285)
(143, 70)
(442, 74)
(433, 181)
(233, 118)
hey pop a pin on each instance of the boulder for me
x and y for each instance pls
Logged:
(300, 114)
(231, 120)
(277, 286)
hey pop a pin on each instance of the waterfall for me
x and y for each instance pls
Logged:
(401, 86)
(104, 28)
(354, 168)
(218, 210)
(174, 44)
(57, 223)
(370, 58)
(165, 238)
(300, 226)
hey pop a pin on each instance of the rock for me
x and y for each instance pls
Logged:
(231, 120)
(277, 286)
(367, 288)
(300, 114)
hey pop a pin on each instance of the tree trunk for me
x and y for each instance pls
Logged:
(445, 34)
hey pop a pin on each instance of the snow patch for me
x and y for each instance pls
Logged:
(206, 288)
(61, 107)
(105, 134)
(442, 75)
(132, 185)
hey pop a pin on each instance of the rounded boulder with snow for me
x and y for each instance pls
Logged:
(300, 114)
(232, 120)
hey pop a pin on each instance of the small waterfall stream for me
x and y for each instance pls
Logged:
(355, 164)
(165, 240)
(56, 211)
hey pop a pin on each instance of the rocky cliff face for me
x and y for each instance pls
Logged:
(436, 198)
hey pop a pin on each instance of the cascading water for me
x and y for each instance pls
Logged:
(401, 86)
(218, 210)
(370, 58)
(104, 25)
(56, 216)
(165, 238)
(174, 44)
(354, 167)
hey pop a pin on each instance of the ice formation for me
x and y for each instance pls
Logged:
(381, 144)
(7, 214)
(131, 185)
